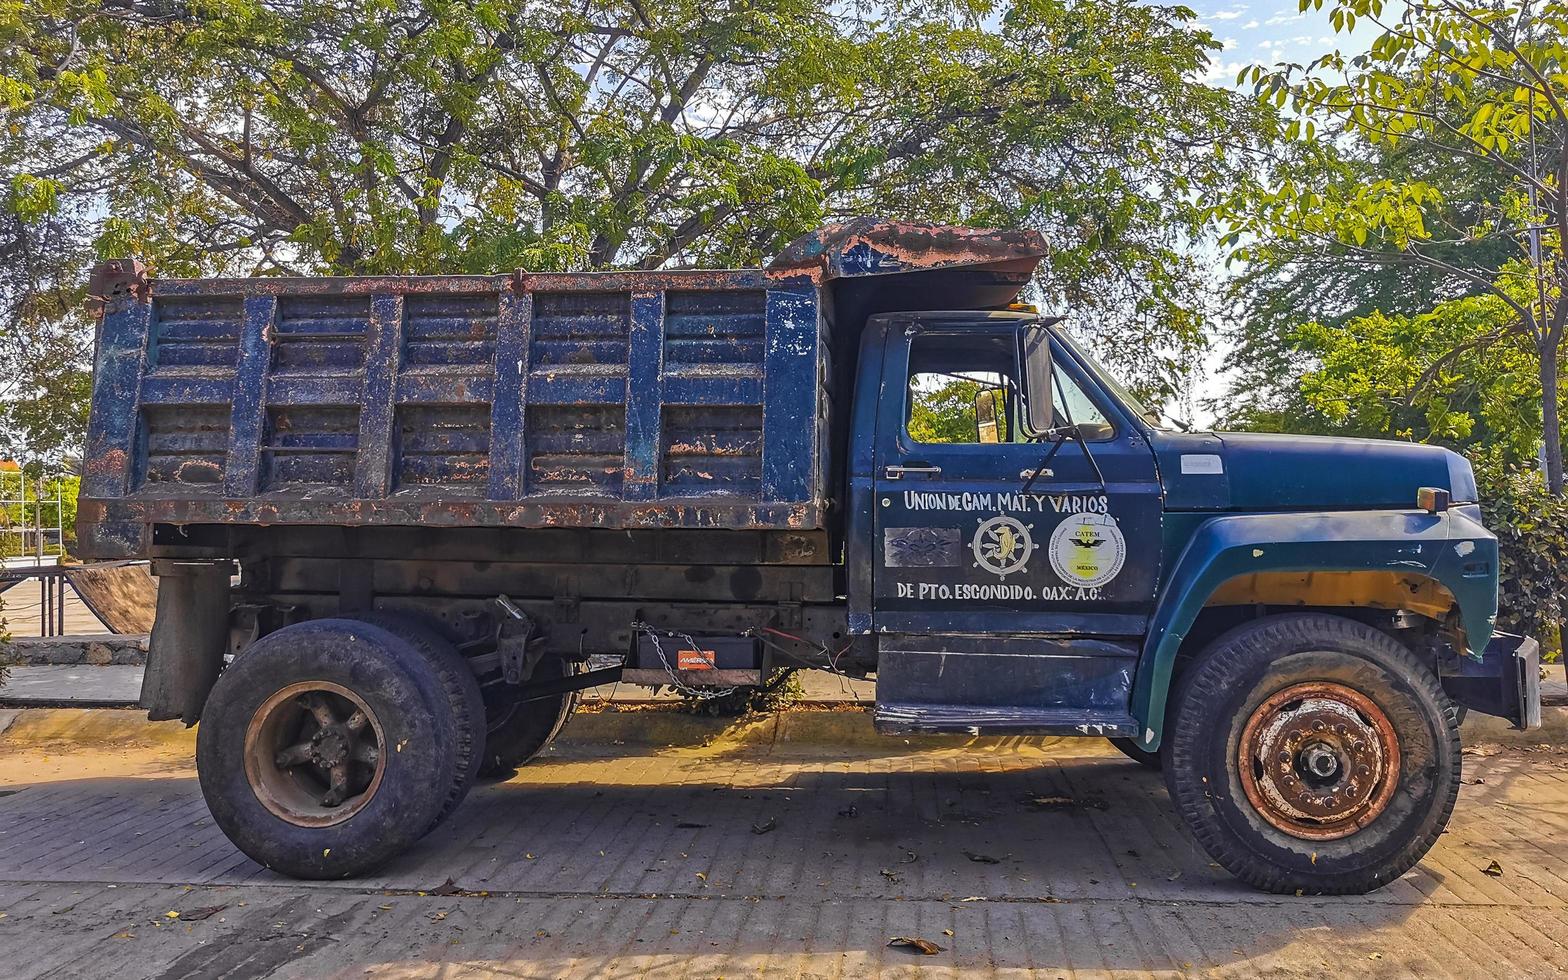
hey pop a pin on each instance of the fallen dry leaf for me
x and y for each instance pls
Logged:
(982, 858)
(924, 946)
(766, 827)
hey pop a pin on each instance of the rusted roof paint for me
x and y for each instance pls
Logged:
(875, 246)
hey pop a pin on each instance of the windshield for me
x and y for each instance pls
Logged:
(1114, 386)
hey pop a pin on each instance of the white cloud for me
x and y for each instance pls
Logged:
(1250, 25)
(1230, 14)
(1225, 72)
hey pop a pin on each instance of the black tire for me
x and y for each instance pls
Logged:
(418, 758)
(1129, 747)
(1366, 679)
(517, 731)
(459, 685)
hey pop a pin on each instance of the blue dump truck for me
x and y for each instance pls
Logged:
(394, 517)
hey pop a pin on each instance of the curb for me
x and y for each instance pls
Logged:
(651, 729)
(78, 649)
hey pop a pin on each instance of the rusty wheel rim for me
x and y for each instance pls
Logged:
(1319, 761)
(314, 753)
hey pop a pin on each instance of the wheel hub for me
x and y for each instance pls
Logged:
(1319, 761)
(313, 753)
(329, 747)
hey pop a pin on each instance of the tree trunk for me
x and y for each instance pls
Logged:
(1551, 426)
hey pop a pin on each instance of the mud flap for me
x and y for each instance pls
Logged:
(1505, 682)
(189, 634)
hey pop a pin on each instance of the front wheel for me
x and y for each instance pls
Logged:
(1132, 750)
(1311, 753)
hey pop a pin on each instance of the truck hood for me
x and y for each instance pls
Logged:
(1258, 471)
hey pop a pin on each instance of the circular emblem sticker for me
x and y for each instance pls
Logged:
(1002, 545)
(1088, 550)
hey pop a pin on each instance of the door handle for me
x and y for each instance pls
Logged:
(896, 472)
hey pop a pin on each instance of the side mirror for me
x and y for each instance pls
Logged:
(986, 412)
(1034, 361)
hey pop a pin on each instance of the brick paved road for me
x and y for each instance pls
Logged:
(649, 864)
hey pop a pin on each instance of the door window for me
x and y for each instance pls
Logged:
(962, 389)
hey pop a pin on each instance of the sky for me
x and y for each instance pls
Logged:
(1264, 32)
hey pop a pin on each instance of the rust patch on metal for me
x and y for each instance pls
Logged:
(1319, 761)
(874, 246)
(115, 282)
(111, 463)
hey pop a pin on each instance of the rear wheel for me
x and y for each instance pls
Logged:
(459, 685)
(517, 731)
(328, 747)
(1313, 753)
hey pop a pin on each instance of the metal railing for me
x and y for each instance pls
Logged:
(52, 591)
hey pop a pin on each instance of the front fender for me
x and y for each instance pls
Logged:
(1450, 547)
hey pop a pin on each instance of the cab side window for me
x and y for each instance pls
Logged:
(963, 388)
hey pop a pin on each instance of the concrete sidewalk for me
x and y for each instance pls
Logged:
(1019, 857)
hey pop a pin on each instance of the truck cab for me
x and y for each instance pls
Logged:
(399, 522)
(1031, 530)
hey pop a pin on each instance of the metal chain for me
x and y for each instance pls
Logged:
(675, 681)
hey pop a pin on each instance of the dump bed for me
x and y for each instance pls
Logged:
(617, 399)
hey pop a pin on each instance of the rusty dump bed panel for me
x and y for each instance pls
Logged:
(619, 400)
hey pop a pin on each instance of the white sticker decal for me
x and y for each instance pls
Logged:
(1202, 464)
(1002, 545)
(1088, 550)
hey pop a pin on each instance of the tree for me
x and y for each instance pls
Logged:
(1457, 375)
(264, 137)
(1282, 291)
(1446, 83)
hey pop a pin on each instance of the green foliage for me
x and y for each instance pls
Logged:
(265, 137)
(1531, 525)
(1455, 375)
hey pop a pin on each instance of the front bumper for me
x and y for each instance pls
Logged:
(1505, 682)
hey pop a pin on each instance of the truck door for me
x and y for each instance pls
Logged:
(960, 545)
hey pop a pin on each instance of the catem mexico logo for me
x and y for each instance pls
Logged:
(1088, 550)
